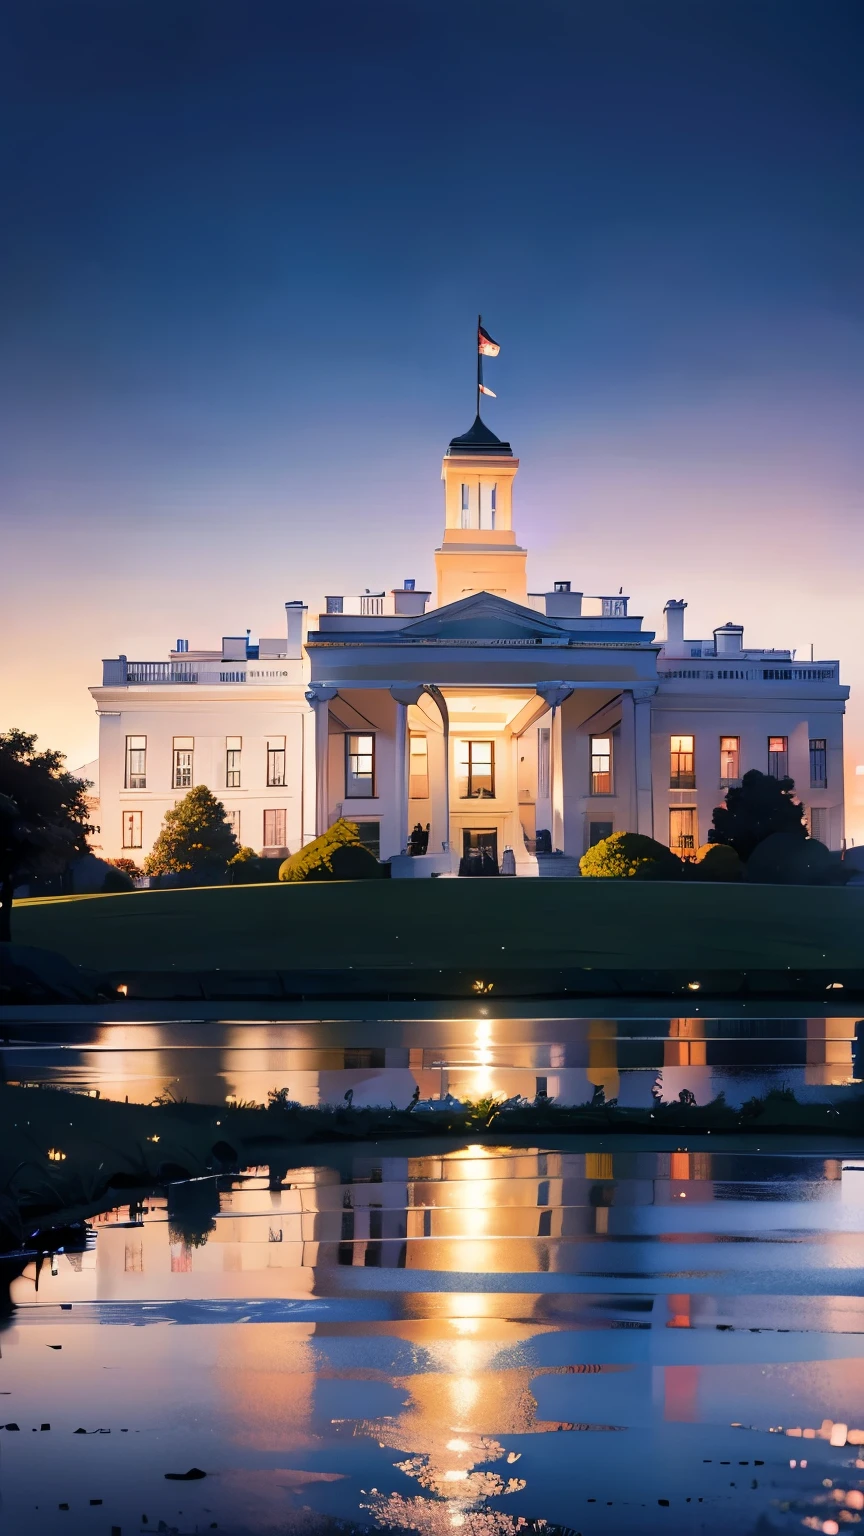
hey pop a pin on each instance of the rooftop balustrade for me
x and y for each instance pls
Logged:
(120, 673)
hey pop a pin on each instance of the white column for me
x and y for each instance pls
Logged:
(555, 695)
(400, 780)
(642, 759)
(436, 694)
(403, 698)
(624, 766)
(319, 697)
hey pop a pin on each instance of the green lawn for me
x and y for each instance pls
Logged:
(453, 923)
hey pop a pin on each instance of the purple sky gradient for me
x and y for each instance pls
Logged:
(244, 250)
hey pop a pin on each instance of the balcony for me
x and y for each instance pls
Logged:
(364, 605)
(750, 673)
(120, 673)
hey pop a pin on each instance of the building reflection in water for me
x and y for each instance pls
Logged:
(383, 1061)
(471, 1374)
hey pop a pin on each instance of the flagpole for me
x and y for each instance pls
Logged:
(479, 362)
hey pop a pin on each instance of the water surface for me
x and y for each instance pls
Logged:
(610, 1337)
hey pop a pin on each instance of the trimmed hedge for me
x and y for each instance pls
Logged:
(717, 861)
(628, 854)
(337, 855)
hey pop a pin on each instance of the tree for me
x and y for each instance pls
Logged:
(196, 836)
(628, 854)
(43, 816)
(760, 806)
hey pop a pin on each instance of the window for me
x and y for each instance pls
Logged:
(820, 823)
(274, 829)
(601, 765)
(730, 759)
(818, 763)
(597, 831)
(370, 836)
(360, 767)
(184, 747)
(275, 761)
(488, 500)
(233, 746)
(778, 756)
(681, 768)
(477, 508)
(544, 762)
(132, 829)
(418, 767)
(475, 770)
(682, 830)
(136, 762)
(233, 820)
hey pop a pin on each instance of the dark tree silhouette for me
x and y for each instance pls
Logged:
(196, 836)
(760, 806)
(43, 816)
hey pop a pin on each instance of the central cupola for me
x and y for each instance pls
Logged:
(479, 552)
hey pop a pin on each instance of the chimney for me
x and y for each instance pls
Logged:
(408, 603)
(562, 602)
(674, 612)
(728, 640)
(294, 614)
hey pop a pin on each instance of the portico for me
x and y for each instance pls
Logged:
(538, 722)
(475, 720)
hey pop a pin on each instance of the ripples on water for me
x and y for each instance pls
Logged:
(445, 1340)
(613, 1337)
(486, 1051)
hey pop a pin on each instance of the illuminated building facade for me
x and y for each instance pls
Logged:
(512, 729)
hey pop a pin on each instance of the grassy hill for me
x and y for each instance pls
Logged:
(453, 923)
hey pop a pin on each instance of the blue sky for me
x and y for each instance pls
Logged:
(244, 248)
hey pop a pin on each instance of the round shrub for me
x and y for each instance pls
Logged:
(243, 855)
(716, 861)
(337, 855)
(787, 859)
(622, 855)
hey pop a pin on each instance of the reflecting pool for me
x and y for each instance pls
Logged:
(487, 1049)
(611, 1337)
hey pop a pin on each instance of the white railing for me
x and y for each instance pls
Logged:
(161, 672)
(119, 672)
(360, 605)
(752, 674)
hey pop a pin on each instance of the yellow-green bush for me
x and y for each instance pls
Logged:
(243, 855)
(625, 854)
(337, 855)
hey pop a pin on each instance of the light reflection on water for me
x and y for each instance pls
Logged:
(443, 1339)
(383, 1059)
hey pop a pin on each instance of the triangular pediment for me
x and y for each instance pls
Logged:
(483, 616)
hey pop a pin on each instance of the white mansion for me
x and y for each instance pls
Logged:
(498, 719)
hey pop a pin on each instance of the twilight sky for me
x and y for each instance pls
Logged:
(243, 250)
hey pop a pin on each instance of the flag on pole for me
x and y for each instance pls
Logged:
(486, 346)
(485, 391)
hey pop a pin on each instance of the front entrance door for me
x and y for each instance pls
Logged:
(479, 851)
